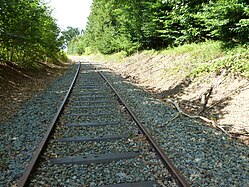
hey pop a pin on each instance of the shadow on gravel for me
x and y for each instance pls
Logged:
(17, 84)
(193, 106)
(216, 109)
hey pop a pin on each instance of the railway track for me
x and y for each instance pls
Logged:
(96, 140)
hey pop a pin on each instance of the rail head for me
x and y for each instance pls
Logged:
(26, 175)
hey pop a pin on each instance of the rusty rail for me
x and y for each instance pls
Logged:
(164, 158)
(26, 175)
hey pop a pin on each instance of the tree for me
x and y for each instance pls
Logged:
(130, 25)
(28, 32)
(69, 34)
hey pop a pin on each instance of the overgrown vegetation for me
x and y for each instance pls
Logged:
(28, 33)
(212, 34)
(118, 25)
(194, 60)
(235, 62)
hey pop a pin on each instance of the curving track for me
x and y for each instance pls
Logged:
(96, 140)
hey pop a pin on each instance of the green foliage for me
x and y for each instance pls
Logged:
(233, 61)
(119, 25)
(192, 60)
(184, 60)
(69, 34)
(115, 58)
(28, 33)
(75, 46)
(227, 20)
(203, 50)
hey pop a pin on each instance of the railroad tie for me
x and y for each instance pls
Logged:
(94, 138)
(134, 184)
(93, 124)
(101, 158)
(92, 114)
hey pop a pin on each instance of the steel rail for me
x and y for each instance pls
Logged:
(26, 175)
(165, 159)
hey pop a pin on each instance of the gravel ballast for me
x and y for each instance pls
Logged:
(144, 166)
(205, 156)
(22, 133)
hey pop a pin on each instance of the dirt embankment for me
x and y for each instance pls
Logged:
(222, 98)
(18, 84)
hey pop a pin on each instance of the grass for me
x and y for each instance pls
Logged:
(207, 57)
(196, 59)
(183, 60)
(235, 61)
(115, 58)
(198, 52)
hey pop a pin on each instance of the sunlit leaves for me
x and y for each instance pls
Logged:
(28, 32)
(69, 34)
(130, 25)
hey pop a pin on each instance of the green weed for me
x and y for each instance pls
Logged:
(196, 59)
(235, 61)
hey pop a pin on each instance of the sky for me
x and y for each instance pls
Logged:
(72, 13)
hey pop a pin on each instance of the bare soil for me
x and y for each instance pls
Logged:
(18, 84)
(227, 106)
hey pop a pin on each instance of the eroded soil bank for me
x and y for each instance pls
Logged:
(17, 85)
(226, 103)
